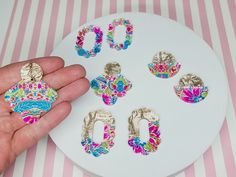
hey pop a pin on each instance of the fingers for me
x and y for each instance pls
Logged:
(10, 74)
(65, 76)
(30, 134)
(72, 91)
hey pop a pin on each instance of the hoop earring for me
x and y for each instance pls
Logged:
(153, 123)
(128, 37)
(96, 149)
(80, 41)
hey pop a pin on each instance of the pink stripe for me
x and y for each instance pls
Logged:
(21, 31)
(68, 168)
(227, 151)
(172, 10)
(3, 51)
(98, 9)
(86, 175)
(188, 14)
(37, 29)
(127, 6)
(157, 7)
(83, 11)
(204, 22)
(29, 161)
(142, 5)
(226, 51)
(9, 171)
(113, 6)
(232, 10)
(68, 18)
(209, 163)
(52, 27)
(190, 171)
(49, 160)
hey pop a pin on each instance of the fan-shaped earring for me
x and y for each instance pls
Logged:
(164, 65)
(191, 89)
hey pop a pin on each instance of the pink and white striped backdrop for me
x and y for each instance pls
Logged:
(36, 26)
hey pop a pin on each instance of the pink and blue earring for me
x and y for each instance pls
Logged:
(164, 65)
(191, 89)
(111, 84)
(31, 96)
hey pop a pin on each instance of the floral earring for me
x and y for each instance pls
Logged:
(111, 84)
(164, 65)
(87, 142)
(154, 134)
(31, 96)
(191, 89)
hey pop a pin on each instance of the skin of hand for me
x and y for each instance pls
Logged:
(15, 135)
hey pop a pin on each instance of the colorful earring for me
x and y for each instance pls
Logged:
(164, 65)
(191, 89)
(31, 96)
(91, 147)
(112, 84)
(80, 41)
(153, 123)
(128, 37)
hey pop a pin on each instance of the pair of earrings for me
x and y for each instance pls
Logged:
(190, 88)
(31, 96)
(134, 141)
(99, 37)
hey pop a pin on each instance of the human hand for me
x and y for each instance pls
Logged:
(15, 135)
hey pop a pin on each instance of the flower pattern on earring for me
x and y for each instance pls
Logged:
(91, 147)
(164, 65)
(128, 37)
(31, 96)
(191, 89)
(80, 41)
(134, 141)
(111, 85)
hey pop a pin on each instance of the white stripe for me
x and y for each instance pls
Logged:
(196, 18)
(229, 30)
(164, 8)
(40, 157)
(218, 158)
(6, 10)
(199, 168)
(19, 165)
(91, 10)
(105, 8)
(180, 12)
(76, 14)
(13, 34)
(60, 22)
(149, 6)
(134, 6)
(44, 29)
(29, 30)
(213, 31)
(77, 172)
(58, 164)
(120, 6)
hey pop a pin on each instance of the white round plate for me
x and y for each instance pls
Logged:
(187, 130)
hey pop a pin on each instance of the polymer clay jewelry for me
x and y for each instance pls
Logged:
(128, 37)
(154, 134)
(191, 89)
(31, 96)
(104, 147)
(80, 41)
(164, 65)
(111, 84)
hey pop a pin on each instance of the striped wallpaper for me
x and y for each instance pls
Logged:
(36, 26)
